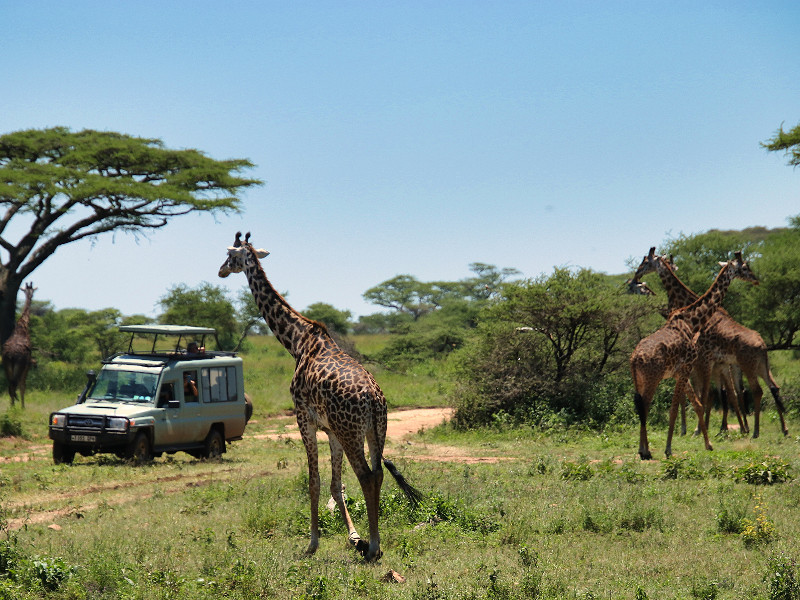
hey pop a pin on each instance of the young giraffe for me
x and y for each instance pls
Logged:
(725, 343)
(671, 352)
(332, 392)
(17, 357)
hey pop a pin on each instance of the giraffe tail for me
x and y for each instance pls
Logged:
(413, 494)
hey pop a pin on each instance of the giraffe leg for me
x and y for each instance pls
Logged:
(642, 405)
(732, 398)
(337, 455)
(755, 389)
(677, 398)
(776, 394)
(698, 408)
(370, 481)
(309, 435)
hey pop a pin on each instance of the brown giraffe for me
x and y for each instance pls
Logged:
(725, 344)
(672, 351)
(332, 392)
(17, 358)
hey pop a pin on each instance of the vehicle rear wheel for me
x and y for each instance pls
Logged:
(215, 445)
(139, 450)
(248, 408)
(63, 454)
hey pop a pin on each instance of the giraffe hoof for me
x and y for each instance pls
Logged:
(361, 546)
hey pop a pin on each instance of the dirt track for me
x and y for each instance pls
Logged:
(401, 425)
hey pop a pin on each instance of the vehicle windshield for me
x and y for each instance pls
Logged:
(124, 386)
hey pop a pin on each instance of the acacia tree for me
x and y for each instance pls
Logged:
(788, 142)
(59, 186)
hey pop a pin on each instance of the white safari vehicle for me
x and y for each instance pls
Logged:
(143, 403)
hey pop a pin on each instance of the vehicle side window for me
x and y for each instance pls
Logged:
(167, 393)
(219, 384)
(190, 386)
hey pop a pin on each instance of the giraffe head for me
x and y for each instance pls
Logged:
(238, 255)
(639, 288)
(740, 268)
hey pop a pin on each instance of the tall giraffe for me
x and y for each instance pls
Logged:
(725, 342)
(17, 356)
(332, 392)
(671, 351)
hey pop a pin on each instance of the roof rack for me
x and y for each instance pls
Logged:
(178, 330)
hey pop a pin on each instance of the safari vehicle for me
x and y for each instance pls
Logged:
(143, 403)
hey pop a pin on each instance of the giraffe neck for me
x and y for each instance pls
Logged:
(698, 313)
(23, 323)
(678, 294)
(289, 327)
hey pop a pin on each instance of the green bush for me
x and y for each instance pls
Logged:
(10, 426)
(782, 580)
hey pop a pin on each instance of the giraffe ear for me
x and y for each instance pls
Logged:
(261, 253)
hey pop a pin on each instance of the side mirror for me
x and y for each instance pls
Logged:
(174, 404)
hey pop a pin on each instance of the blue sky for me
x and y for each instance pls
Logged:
(416, 137)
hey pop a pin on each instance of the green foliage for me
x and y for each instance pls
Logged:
(760, 530)
(773, 308)
(335, 320)
(10, 425)
(432, 336)
(206, 305)
(782, 579)
(767, 472)
(555, 347)
(786, 141)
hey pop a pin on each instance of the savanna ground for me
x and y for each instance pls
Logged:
(508, 513)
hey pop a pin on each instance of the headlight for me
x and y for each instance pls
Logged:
(117, 423)
(57, 420)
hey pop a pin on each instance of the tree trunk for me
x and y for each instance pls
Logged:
(8, 308)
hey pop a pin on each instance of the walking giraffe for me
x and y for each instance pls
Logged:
(17, 355)
(724, 343)
(332, 392)
(672, 351)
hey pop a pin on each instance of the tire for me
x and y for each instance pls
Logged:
(248, 408)
(214, 445)
(63, 454)
(139, 450)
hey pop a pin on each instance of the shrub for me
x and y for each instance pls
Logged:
(10, 426)
(782, 579)
(760, 530)
(767, 472)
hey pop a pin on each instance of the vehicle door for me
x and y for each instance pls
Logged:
(192, 427)
(168, 415)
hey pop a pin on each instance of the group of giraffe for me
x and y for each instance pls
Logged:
(700, 343)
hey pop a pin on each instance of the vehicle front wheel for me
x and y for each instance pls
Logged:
(215, 445)
(139, 450)
(63, 454)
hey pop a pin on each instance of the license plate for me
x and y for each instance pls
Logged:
(83, 438)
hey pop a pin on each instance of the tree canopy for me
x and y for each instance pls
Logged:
(786, 141)
(59, 186)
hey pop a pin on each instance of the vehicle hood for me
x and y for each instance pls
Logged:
(112, 409)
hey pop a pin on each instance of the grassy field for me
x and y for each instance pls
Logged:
(513, 513)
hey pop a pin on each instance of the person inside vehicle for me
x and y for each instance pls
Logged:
(190, 386)
(193, 349)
